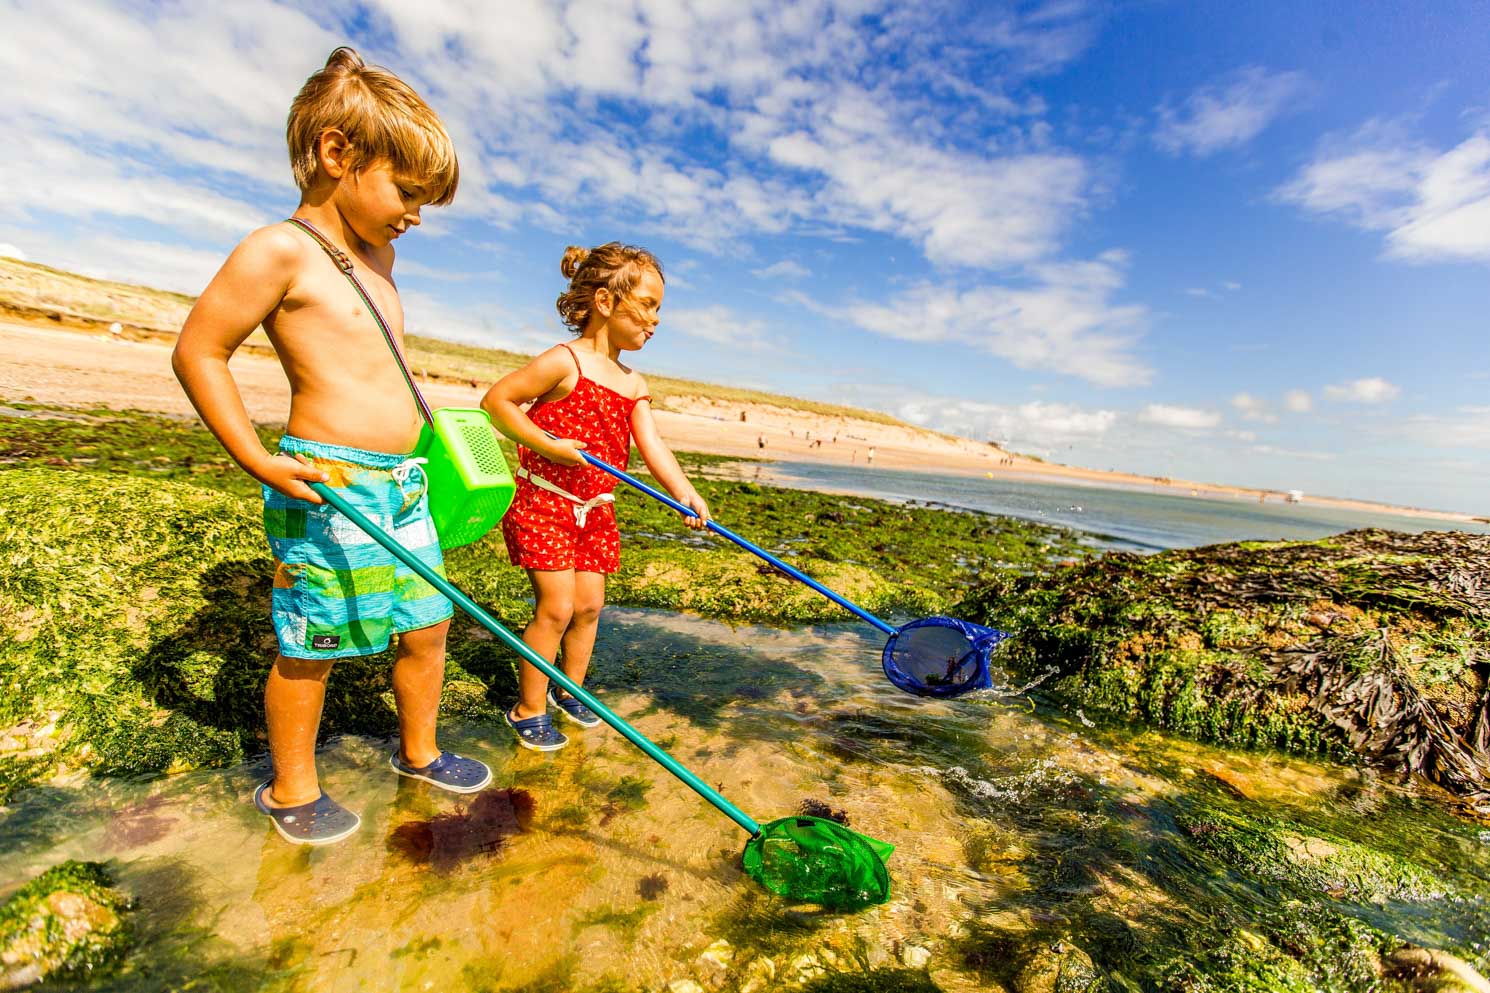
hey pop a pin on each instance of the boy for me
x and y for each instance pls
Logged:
(367, 154)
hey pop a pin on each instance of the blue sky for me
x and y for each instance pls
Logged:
(1246, 243)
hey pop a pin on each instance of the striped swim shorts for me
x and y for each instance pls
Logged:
(337, 592)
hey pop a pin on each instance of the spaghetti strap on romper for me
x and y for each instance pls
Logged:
(563, 516)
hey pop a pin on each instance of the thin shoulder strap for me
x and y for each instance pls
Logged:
(344, 263)
(578, 368)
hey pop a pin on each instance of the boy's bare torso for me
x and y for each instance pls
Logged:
(345, 386)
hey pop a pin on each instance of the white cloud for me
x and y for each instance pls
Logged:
(1037, 427)
(722, 326)
(1298, 402)
(1467, 427)
(785, 269)
(167, 107)
(1291, 453)
(1253, 408)
(151, 263)
(1370, 390)
(1065, 321)
(1432, 205)
(1231, 285)
(9, 251)
(1184, 418)
(1231, 113)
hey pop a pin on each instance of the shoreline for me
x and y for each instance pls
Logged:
(74, 366)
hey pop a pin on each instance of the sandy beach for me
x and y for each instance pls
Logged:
(87, 367)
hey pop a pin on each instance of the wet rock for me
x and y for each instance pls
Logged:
(914, 956)
(69, 922)
(806, 967)
(684, 986)
(713, 964)
(1060, 968)
(1230, 643)
(1435, 972)
(759, 974)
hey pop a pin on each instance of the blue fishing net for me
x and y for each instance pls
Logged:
(941, 656)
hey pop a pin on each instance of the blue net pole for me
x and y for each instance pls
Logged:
(749, 546)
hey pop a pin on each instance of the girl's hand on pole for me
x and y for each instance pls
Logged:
(290, 475)
(695, 503)
(565, 451)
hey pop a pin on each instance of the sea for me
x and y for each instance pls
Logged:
(1129, 518)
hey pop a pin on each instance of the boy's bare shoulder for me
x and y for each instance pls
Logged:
(275, 248)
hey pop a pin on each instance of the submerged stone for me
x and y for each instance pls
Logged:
(69, 922)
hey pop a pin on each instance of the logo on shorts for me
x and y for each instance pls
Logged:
(324, 642)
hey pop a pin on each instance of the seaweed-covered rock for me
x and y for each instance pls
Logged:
(69, 922)
(1372, 643)
(135, 632)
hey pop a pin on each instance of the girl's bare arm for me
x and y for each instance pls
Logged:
(663, 465)
(538, 378)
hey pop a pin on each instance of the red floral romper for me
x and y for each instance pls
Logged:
(547, 531)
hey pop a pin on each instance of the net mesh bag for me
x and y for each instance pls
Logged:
(941, 656)
(815, 860)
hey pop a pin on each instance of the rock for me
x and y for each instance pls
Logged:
(1059, 968)
(759, 974)
(806, 967)
(1430, 970)
(69, 922)
(914, 956)
(713, 964)
(684, 986)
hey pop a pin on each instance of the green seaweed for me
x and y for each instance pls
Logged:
(68, 923)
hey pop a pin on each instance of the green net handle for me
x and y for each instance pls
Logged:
(515, 643)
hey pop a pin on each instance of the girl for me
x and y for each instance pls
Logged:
(561, 527)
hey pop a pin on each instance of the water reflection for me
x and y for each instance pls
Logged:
(1018, 831)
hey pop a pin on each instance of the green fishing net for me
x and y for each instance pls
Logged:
(815, 860)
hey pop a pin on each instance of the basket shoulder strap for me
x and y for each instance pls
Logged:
(343, 262)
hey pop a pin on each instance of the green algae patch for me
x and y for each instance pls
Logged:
(1269, 848)
(135, 632)
(1370, 645)
(67, 923)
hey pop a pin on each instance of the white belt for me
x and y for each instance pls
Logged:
(582, 508)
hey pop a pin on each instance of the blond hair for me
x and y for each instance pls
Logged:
(613, 266)
(383, 120)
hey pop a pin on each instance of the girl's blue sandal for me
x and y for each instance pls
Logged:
(537, 733)
(574, 709)
(320, 822)
(449, 772)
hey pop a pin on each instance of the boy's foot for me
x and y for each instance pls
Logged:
(320, 822)
(537, 733)
(573, 708)
(449, 772)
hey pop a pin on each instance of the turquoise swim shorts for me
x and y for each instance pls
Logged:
(337, 593)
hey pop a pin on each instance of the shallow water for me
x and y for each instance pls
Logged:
(592, 868)
(1131, 518)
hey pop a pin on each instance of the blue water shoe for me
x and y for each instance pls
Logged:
(537, 733)
(573, 709)
(320, 822)
(449, 772)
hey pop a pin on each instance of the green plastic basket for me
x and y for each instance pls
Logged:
(470, 485)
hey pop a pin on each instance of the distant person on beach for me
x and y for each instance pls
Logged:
(562, 525)
(367, 154)
(869, 457)
(760, 442)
